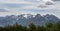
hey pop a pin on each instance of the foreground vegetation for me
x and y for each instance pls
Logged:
(32, 27)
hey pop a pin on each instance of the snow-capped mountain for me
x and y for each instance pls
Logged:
(26, 19)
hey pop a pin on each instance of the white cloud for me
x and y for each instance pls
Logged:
(14, 1)
(28, 6)
(19, 1)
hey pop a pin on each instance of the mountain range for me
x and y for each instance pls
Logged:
(26, 19)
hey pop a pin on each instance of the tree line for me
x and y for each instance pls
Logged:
(32, 27)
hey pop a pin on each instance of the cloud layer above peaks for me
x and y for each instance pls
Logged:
(29, 6)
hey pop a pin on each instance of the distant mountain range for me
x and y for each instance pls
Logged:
(26, 19)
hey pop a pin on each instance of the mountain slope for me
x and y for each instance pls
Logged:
(26, 19)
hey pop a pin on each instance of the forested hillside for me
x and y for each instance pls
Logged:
(32, 27)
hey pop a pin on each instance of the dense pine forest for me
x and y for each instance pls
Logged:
(32, 27)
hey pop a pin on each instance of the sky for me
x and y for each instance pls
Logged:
(16, 7)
